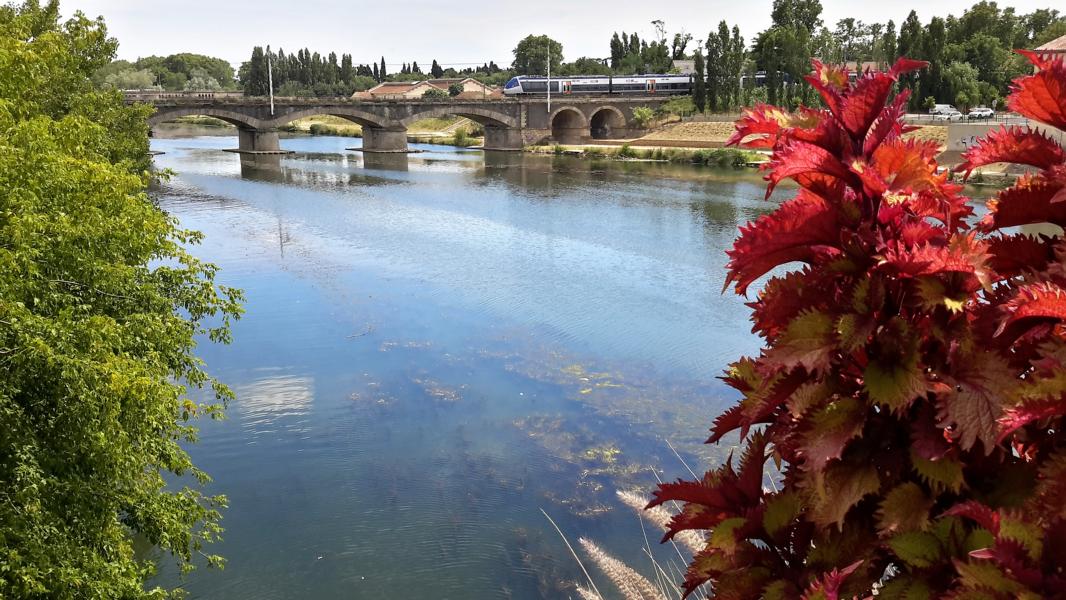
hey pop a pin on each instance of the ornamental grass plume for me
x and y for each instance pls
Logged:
(633, 585)
(912, 387)
(693, 541)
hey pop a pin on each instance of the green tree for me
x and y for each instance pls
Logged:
(699, 84)
(455, 89)
(642, 116)
(130, 79)
(797, 13)
(584, 66)
(101, 308)
(201, 80)
(618, 51)
(531, 55)
(254, 74)
(436, 71)
(962, 85)
(714, 69)
(677, 49)
(934, 40)
(434, 94)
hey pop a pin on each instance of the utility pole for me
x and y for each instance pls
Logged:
(270, 82)
(549, 43)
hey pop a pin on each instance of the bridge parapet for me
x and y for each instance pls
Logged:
(509, 123)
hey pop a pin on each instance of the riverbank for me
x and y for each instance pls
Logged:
(715, 157)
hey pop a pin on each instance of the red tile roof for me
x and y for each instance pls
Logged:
(1056, 45)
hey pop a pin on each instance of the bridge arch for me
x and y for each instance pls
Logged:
(229, 116)
(362, 117)
(607, 122)
(569, 125)
(483, 116)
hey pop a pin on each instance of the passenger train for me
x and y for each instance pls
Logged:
(527, 85)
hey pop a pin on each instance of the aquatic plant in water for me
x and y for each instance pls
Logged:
(912, 389)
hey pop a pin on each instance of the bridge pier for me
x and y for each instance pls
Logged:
(379, 139)
(258, 141)
(503, 138)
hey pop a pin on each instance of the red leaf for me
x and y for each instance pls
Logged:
(888, 125)
(830, 430)
(1041, 301)
(908, 165)
(964, 254)
(730, 420)
(1031, 410)
(981, 382)
(829, 81)
(1042, 96)
(782, 299)
(797, 158)
(1031, 200)
(1012, 255)
(906, 65)
(977, 512)
(828, 587)
(796, 231)
(864, 102)
(762, 120)
(1013, 145)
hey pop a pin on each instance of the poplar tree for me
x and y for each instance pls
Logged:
(699, 84)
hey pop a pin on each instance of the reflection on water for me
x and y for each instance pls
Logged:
(273, 397)
(439, 345)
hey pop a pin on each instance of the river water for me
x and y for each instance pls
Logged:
(438, 346)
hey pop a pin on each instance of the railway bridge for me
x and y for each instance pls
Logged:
(510, 124)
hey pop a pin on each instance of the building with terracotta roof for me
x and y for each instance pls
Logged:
(1054, 49)
(414, 90)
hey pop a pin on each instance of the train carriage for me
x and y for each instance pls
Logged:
(529, 85)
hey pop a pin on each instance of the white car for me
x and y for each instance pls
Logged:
(981, 112)
(952, 115)
(940, 109)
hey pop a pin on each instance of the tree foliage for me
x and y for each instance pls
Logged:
(533, 54)
(100, 311)
(912, 390)
(172, 73)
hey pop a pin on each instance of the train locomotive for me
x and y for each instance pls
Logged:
(630, 85)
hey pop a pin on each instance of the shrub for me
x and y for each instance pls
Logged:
(460, 138)
(913, 386)
(626, 151)
(435, 94)
(642, 116)
(557, 149)
(455, 89)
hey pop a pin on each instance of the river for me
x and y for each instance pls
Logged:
(437, 346)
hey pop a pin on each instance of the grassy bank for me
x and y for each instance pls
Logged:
(202, 121)
(460, 138)
(714, 157)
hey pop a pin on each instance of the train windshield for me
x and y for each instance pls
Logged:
(513, 83)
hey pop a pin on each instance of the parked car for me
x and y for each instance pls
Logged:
(981, 112)
(939, 109)
(952, 115)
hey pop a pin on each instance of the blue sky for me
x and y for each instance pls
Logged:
(472, 31)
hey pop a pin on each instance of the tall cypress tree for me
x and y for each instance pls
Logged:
(699, 86)
(714, 70)
(257, 74)
(381, 70)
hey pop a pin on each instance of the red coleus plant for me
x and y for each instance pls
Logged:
(912, 390)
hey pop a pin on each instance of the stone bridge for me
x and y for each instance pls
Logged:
(509, 124)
